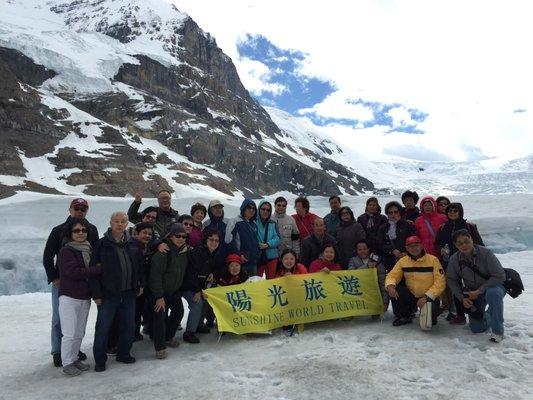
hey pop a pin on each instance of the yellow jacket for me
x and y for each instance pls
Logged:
(424, 276)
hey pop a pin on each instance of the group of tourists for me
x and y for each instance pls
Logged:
(137, 276)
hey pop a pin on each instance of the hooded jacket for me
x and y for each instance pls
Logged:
(423, 276)
(219, 224)
(267, 233)
(347, 234)
(288, 232)
(105, 254)
(423, 223)
(446, 231)
(241, 235)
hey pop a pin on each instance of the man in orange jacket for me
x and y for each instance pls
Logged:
(424, 282)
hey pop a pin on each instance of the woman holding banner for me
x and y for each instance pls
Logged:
(327, 261)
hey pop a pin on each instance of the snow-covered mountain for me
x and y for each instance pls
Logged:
(105, 96)
(391, 174)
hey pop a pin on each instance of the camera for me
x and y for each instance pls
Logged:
(374, 257)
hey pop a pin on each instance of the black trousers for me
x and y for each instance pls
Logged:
(405, 306)
(165, 323)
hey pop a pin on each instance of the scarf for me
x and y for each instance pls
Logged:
(392, 230)
(370, 222)
(85, 249)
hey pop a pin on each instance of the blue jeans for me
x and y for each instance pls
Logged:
(195, 310)
(123, 304)
(493, 317)
(56, 334)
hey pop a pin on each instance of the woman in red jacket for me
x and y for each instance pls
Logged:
(326, 262)
(428, 224)
(288, 266)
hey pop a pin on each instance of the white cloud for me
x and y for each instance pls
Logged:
(400, 116)
(255, 77)
(467, 64)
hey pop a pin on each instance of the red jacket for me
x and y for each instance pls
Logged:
(305, 224)
(318, 264)
(435, 220)
(298, 269)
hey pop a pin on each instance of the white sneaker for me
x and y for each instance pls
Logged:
(495, 338)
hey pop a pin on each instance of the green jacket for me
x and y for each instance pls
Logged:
(167, 271)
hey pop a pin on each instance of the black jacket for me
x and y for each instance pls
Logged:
(372, 233)
(54, 244)
(105, 254)
(386, 246)
(312, 247)
(201, 265)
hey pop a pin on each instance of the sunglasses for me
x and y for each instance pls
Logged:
(82, 230)
(281, 205)
(188, 224)
(84, 209)
(180, 236)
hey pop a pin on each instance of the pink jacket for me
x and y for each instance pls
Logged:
(435, 220)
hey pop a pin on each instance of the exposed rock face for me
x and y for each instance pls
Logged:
(166, 124)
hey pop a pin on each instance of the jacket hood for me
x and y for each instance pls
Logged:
(459, 206)
(259, 212)
(246, 203)
(352, 217)
(212, 217)
(433, 202)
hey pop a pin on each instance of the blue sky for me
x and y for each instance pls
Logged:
(293, 90)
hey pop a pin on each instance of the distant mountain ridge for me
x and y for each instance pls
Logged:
(102, 97)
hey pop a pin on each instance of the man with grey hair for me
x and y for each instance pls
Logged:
(115, 290)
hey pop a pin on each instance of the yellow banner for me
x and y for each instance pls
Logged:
(295, 299)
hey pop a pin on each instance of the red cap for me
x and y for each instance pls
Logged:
(233, 258)
(79, 202)
(412, 240)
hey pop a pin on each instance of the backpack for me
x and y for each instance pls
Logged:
(513, 283)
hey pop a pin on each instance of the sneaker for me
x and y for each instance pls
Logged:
(202, 329)
(458, 320)
(81, 366)
(127, 360)
(402, 321)
(57, 360)
(161, 354)
(495, 338)
(99, 368)
(112, 350)
(450, 316)
(71, 370)
(190, 337)
(172, 343)
(82, 356)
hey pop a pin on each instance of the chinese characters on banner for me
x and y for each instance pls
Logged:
(295, 299)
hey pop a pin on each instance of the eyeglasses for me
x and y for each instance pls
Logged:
(83, 209)
(281, 205)
(188, 224)
(393, 212)
(82, 230)
(180, 236)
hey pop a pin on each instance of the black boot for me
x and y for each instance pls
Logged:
(82, 356)
(57, 360)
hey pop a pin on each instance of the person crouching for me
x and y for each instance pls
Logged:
(424, 282)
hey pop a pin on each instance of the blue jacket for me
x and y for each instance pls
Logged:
(241, 235)
(272, 237)
(105, 254)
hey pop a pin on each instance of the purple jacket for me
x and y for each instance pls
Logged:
(74, 281)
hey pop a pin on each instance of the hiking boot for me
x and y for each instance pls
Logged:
(202, 329)
(172, 343)
(161, 354)
(458, 320)
(99, 368)
(126, 360)
(190, 337)
(71, 370)
(495, 338)
(450, 316)
(401, 321)
(57, 360)
(112, 350)
(81, 366)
